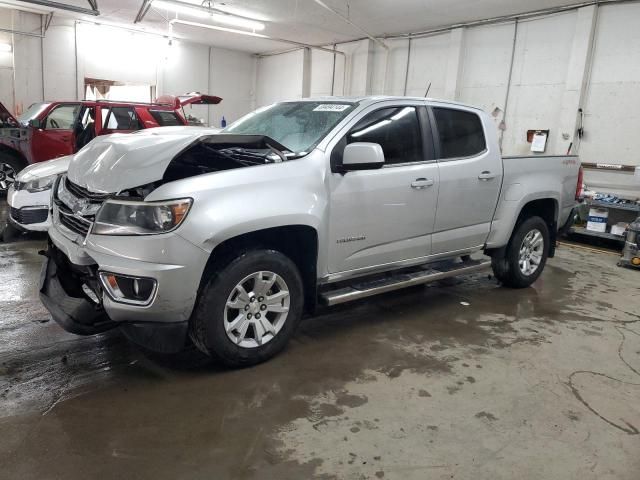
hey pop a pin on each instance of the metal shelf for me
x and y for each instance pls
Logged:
(590, 233)
(618, 206)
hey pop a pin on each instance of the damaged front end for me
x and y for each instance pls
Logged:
(72, 294)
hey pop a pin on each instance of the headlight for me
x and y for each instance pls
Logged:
(121, 217)
(39, 184)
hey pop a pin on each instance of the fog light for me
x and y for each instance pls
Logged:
(126, 289)
(635, 261)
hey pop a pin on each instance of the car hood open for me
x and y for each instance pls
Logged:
(119, 162)
(7, 119)
(113, 163)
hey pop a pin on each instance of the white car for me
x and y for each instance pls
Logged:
(29, 197)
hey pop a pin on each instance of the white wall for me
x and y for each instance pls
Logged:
(6, 61)
(233, 77)
(111, 53)
(280, 77)
(612, 114)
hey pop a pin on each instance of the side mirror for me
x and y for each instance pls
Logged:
(362, 156)
(35, 123)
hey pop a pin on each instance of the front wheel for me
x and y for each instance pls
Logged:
(250, 309)
(9, 168)
(525, 256)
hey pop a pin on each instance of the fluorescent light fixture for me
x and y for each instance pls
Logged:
(5, 47)
(201, 12)
(222, 29)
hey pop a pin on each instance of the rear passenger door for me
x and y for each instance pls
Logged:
(470, 179)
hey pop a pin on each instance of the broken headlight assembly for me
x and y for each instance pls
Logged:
(123, 217)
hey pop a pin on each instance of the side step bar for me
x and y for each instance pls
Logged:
(399, 281)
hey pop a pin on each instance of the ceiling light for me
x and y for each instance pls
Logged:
(5, 47)
(222, 29)
(202, 12)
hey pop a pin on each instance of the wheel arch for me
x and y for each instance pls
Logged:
(546, 208)
(298, 242)
(6, 150)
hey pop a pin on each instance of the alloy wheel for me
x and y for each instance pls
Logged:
(256, 309)
(531, 252)
(7, 176)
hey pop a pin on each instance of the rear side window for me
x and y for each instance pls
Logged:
(396, 130)
(165, 119)
(121, 118)
(460, 133)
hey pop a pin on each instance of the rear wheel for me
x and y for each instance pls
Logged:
(250, 309)
(9, 168)
(525, 256)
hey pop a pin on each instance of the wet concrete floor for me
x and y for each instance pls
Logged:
(466, 380)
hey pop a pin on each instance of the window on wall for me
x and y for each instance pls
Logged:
(461, 133)
(396, 130)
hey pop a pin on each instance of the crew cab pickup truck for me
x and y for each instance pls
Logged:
(50, 130)
(224, 241)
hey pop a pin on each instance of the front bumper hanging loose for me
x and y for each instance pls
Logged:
(61, 292)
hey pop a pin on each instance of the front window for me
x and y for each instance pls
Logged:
(32, 112)
(62, 117)
(299, 126)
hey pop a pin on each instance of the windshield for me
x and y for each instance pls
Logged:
(32, 112)
(299, 126)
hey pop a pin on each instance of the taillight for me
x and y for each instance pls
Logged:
(579, 191)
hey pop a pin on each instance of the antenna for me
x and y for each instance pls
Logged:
(426, 94)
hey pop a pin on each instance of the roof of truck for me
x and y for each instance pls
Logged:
(371, 99)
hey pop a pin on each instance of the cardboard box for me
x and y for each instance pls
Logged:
(597, 220)
(619, 228)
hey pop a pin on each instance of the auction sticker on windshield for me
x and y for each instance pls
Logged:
(331, 107)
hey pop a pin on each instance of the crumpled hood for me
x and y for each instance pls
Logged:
(117, 162)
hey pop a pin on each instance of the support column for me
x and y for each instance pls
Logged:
(454, 63)
(577, 79)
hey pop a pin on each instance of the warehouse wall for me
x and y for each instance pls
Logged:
(111, 53)
(280, 77)
(530, 74)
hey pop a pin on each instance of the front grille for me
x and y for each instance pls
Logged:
(74, 206)
(82, 192)
(73, 222)
(28, 216)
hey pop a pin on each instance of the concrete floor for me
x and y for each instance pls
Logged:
(530, 384)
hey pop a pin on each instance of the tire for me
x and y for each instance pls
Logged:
(9, 168)
(249, 340)
(508, 269)
(10, 233)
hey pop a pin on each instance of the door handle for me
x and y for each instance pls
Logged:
(486, 176)
(420, 183)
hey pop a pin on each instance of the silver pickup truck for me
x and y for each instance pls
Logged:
(180, 237)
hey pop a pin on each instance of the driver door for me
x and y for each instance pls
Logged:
(386, 215)
(55, 137)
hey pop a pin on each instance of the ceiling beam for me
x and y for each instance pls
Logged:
(144, 9)
(64, 6)
(348, 20)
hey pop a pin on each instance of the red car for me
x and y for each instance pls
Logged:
(54, 129)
